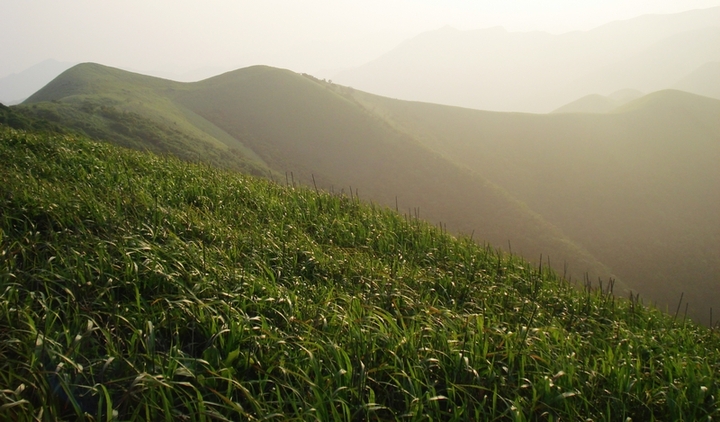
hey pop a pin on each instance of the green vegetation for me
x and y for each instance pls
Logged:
(134, 111)
(139, 287)
(19, 120)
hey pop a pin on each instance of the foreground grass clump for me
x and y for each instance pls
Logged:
(138, 287)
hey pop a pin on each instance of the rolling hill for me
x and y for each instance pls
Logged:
(312, 131)
(636, 187)
(628, 194)
(137, 111)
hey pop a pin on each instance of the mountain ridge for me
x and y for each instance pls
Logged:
(544, 183)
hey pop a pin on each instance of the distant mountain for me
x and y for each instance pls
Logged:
(626, 95)
(596, 103)
(593, 103)
(660, 65)
(493, 69)
(704, 80)
(16, 87)
(631, 193)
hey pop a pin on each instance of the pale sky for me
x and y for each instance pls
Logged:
(174, 38)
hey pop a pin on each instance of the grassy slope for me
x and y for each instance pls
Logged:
(137, 111)
(631, 193)
(300, 125)
(149, 288)
(637, 187)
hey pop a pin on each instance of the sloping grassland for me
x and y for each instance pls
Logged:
(141, 287)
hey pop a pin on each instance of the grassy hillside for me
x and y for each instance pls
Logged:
(139, 287)
(137, 111)
(630, 194)
(318, 134)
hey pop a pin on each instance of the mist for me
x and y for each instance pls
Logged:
(495, 69)
(191, 40)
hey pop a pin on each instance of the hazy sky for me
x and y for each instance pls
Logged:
(175, 37)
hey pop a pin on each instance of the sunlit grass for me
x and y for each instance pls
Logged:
(138, 287)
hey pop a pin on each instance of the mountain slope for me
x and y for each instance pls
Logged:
(320, 134)
(138, 287)
(324, 133)
(629, 194)
(636, 187)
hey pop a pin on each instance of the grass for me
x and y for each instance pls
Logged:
(139, 287)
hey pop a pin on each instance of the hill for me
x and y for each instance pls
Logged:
(134, 110)
(312, 132)
(628, 194)
(499, 70)
(595, 103)
(139, 287)
(635, 187)
(704, 80)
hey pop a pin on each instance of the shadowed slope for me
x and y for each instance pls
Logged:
(636, 187)
(311, 128)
